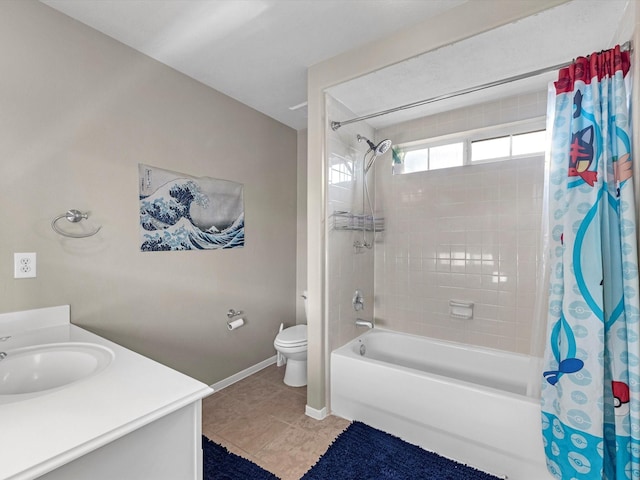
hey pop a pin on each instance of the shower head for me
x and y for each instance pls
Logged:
(383, 146)
(378, 149)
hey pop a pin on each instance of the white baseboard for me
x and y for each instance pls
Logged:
(315, 413)
(243, 374)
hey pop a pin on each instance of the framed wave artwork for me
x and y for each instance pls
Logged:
(182, 212)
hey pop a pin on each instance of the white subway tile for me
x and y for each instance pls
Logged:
(459, 233)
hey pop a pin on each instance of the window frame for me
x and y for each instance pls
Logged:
(468, 137)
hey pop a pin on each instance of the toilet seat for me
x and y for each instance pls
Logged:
(291, 337)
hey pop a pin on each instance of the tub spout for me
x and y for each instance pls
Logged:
(364, 323)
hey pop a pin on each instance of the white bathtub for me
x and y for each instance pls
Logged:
(465, 403)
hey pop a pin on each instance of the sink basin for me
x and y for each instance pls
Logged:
(42, 368)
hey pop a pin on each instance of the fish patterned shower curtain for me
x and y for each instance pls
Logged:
(591, 378)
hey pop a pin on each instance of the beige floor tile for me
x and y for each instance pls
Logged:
(276, 375)
(326, 430)
(272, 373)
(219, 411)
(294, 441)
(252, 390)
(294, 450)
(285, 406)
(263, 420)
(252, 433)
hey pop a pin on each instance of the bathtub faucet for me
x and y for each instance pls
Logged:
(364, 323)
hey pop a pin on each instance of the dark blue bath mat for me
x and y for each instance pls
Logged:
(220, 464)
(364, 453)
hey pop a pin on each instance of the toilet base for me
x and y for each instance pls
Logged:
(295, 374)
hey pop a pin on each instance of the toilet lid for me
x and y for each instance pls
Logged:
(295, 335)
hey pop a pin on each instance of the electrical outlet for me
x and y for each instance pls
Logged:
(24, 265)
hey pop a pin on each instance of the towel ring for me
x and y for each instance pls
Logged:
(74, 216)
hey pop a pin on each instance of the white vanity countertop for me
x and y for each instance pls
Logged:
(53, 428)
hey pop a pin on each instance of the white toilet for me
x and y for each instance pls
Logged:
(292, 344)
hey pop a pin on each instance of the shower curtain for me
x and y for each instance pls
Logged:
(591, 378)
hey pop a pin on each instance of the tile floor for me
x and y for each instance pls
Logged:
(263, 420)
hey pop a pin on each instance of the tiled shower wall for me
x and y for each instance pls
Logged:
(470, 233)
(346, 269)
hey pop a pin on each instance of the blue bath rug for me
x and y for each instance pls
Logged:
(364, 453)
(220, 464)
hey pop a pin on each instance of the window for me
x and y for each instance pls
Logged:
(528, 143)
(433, 158)
(490, 148)
(340, 171)
(508, 146)
(504, 142)
(445, 156)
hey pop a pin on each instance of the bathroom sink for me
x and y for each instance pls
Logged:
(41, 368)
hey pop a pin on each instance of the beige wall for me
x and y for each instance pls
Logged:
(78, 112)
(301, 249)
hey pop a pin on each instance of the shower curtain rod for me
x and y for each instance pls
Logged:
(336, 125)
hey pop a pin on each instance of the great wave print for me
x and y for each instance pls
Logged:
(182, 212)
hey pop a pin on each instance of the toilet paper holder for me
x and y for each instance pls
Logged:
(234, 319)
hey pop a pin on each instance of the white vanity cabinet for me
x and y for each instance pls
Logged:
(169, 448)
(134, 419)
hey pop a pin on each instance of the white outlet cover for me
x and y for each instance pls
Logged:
(24, 265)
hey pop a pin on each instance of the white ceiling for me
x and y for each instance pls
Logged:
(550, 38)
(258, 51)
(255, 51)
